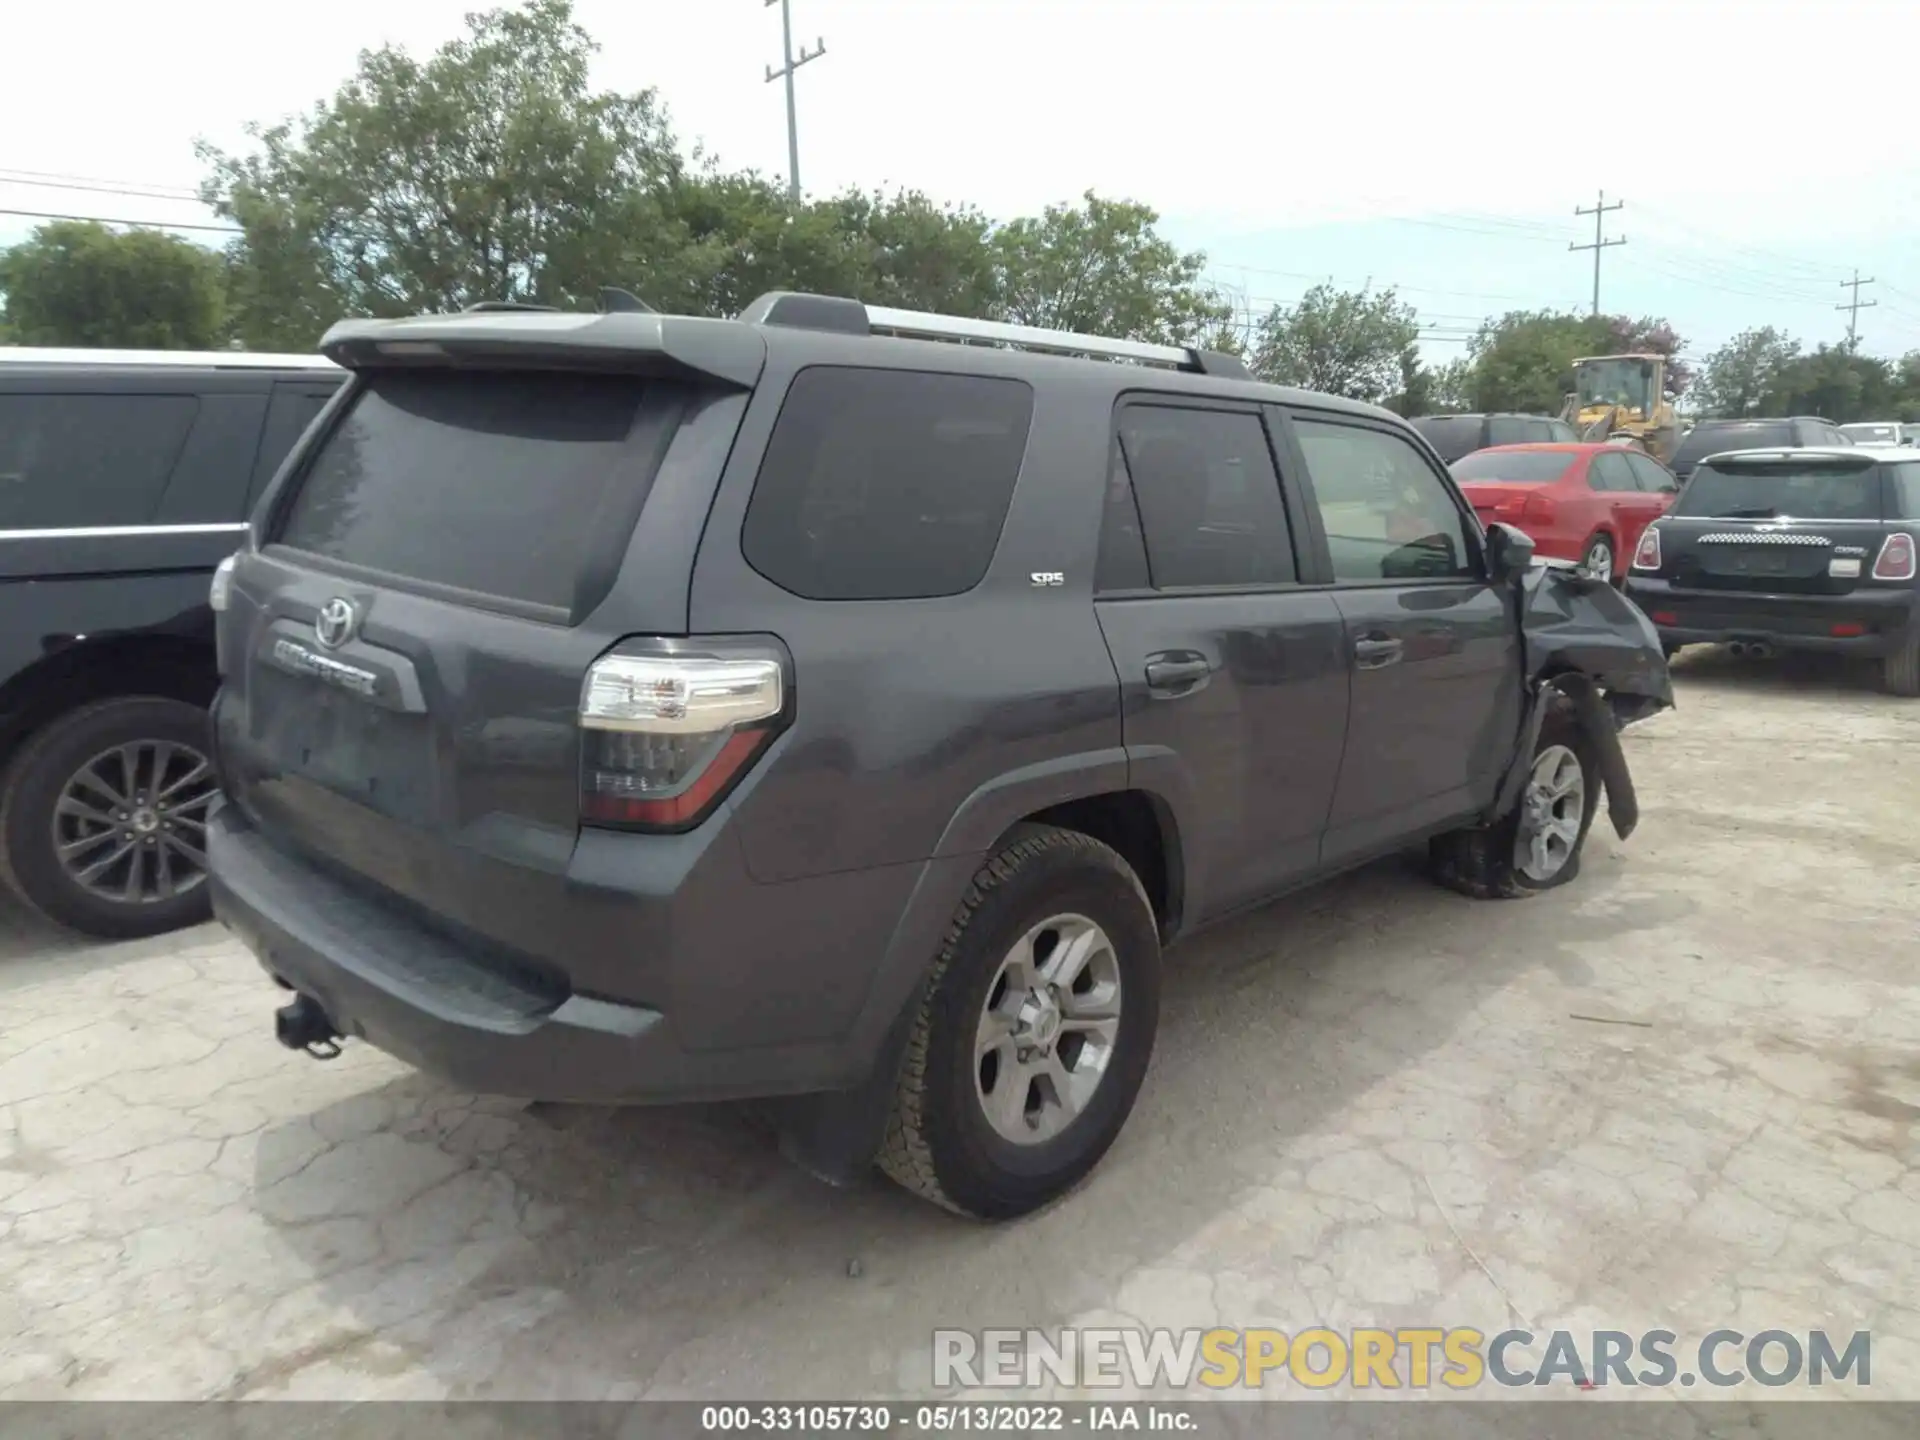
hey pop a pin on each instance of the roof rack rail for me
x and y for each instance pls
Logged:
(849, 317)
(922, 325)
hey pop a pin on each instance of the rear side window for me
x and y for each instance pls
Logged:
(1903, 481)
(1561, 432)
(886, 484)
(1653, 476)
(1451, 435)
(1512, 432)
(1209, 497)
(292, 410)
(1513, 467)
(1387, 515)
(492, 483)
(80, 461)
(1609, 472)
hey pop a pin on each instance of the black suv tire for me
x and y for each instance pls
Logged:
(940, 1142)
(1480, 860)
(1900, 671)
(31, 791)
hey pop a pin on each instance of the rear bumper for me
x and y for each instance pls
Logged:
(479, 1021)
(1785, 622)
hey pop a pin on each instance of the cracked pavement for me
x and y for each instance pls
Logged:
(1679, 1093)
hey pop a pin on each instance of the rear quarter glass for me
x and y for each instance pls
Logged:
(886, 484)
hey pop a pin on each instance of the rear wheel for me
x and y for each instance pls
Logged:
(1535, 846)
(1596, 559)
(1901, 669)
(1035, 1031)
(103, 818)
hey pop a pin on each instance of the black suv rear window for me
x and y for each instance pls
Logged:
(493, 483)
(1705, 440)
(1451, 435)
(886, 484)
(1765, 492)
(1514, 467)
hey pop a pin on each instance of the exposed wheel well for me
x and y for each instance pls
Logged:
(1140, 829)
(165, 665)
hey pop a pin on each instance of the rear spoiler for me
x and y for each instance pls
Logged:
(723, 350)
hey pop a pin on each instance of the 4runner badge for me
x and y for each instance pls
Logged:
(335, 622)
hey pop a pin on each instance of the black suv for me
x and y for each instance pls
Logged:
(638, 708)
(1716, 437)
(1453, 436)
(1811, 549)
(125, 477)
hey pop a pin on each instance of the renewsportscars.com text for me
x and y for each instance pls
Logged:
(1458, 1358)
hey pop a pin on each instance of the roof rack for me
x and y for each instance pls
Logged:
(835, 313)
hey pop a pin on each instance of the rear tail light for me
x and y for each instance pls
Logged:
(1848, 630)
(668, 727)
(1664, 617)
(1646, 555)
(1538, 510)
(1896, 558)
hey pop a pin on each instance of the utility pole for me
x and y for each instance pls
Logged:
(1854, 306)
(792, 63)
(1599, 214)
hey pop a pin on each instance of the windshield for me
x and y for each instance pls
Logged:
(1615, 382)
(1513, 467)
(1775, 492)
(1872, 434)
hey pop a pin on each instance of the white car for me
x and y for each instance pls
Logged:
(1874, 432)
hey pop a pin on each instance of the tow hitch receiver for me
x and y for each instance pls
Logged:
(303, 1025)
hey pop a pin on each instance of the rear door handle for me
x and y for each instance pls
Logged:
(1177, 674)
(1371, 652)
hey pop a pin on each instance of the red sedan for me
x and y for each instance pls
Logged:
(1585, 503)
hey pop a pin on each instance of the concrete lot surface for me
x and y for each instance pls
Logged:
(1678, 1094)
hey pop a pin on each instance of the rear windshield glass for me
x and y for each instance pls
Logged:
(1513, 467)
(1708, 440)
(1452, 435)
(1805, 492)
(499, 484)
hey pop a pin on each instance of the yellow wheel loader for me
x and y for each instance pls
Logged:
(1623, 398)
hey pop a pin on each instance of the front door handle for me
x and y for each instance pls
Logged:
(1371, 652)
(1177, 674)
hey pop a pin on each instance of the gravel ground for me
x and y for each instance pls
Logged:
(1679, 1093)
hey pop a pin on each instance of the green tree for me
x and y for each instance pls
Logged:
(1449, 391)
(78, 283)
(1359, 343)
(1101, 267)
(490, 171)
(1524, 360)
(1835, 382)
(1739, 376)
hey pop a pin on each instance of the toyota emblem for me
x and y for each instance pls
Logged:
(336, 621)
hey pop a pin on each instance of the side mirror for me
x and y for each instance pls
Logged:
(1509, 553)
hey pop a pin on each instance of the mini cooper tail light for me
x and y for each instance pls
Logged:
(1895, 561)
(1646, 555)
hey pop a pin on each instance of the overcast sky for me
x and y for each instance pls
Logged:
(1763, 149)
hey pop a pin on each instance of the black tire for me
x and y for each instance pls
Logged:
(32, 788)
(1479, 861)
(1900, 671)
(939, 1142)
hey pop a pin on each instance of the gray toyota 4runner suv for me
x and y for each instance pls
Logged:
(626, 708)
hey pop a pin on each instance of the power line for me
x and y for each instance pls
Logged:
(26, 178)
(791, 63)
(110, 220)
(1854, 306)
(112, 186)
(1599, 214)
